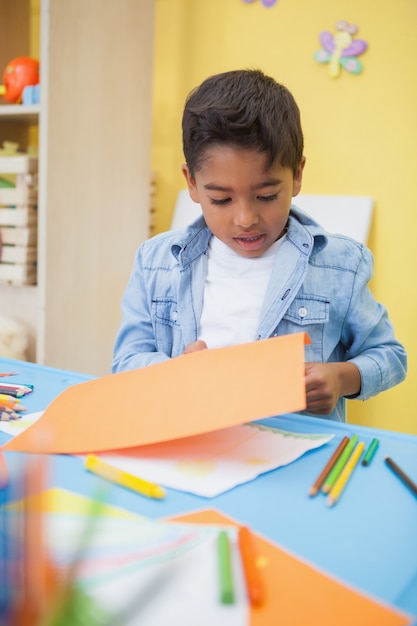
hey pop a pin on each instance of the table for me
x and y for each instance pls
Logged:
(368, 539)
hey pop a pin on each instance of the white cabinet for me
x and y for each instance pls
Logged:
(94, 125)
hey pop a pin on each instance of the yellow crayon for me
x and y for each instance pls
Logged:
(346, 474)
(95, 465)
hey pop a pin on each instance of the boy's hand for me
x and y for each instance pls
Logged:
(195, 346)
(327, 382)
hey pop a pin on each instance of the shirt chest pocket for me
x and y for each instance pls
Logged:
(308, 315)
(167, 328)
(165, 311)
(306, 311)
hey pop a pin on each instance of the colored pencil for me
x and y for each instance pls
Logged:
(401, 475)
(227, 594)
(339, 465)
(254, 584)
(6, 415)
(8, 397)
(12, 405)
(346, 474)
(10, 412)
(315, 488)
(145, 488)
(17, 390)
(369, 454)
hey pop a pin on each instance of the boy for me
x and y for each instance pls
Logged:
(254, 266)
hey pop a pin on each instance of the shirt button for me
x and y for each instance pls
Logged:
(302, 311)
(174, 316)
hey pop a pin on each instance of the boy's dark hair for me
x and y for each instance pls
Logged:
(245, 109)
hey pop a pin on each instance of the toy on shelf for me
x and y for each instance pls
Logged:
(20, 72)
(18, 216)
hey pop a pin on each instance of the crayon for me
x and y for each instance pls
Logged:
(227, 594)
(369, 454)
(95, 465)
(315, 488)
(401, 475)
(340, 464)
(254, 585)
(345, 475)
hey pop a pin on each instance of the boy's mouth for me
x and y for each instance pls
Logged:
(251, 242)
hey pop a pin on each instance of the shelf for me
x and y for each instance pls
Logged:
(28, 113)
(70, 318)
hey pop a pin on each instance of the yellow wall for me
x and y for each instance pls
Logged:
(359, 130)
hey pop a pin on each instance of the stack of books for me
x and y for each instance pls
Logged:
(18, 219)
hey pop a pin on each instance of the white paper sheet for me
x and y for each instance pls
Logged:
(215, 462)
(208, 464)
(15, 427)
(155, 573)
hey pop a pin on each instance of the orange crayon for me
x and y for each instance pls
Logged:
(254, 584)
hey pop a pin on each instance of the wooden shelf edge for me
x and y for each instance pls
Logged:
(20, 112)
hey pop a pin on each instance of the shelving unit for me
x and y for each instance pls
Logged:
(19, 302)
(94, 141)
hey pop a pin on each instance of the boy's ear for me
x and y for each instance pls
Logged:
(192, 189)
(298, 178)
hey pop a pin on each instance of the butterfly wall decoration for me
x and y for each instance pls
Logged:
(341, 49)
(266, 3)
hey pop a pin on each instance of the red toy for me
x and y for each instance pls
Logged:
(19, 73)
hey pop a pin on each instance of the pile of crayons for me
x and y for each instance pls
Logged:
(338, 470)
(10, 407)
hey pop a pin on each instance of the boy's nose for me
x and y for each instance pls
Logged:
(245, 215)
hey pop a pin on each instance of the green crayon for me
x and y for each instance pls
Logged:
(340, 464)
(369, 454)
(227, 595)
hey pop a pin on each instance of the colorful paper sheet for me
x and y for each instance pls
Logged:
(57, 500)
(192, 394)
(298, 594)
(176, 575)
(212, 463)
(140, 571)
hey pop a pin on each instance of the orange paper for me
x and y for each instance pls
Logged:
(192, 394)
(297, 594)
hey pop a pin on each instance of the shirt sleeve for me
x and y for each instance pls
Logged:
(135, 344)
(368, 331)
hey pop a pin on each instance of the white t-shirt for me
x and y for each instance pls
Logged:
(234, 293)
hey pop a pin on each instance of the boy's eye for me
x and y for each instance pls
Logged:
(268, 198)
(220, 201)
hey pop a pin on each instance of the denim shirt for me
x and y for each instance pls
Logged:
(319, 285)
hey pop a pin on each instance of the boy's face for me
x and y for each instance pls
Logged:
(244, 205)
